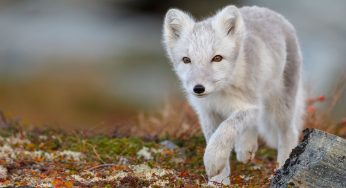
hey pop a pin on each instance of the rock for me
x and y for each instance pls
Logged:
(168, 144)
(145, 153)
(319, 160)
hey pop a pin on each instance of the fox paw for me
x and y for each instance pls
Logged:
(215, 157)
(245, 156)
(246, 152)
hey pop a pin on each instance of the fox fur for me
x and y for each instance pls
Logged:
(255, 90)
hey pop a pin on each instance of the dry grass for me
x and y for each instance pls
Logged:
(321, 118)
(178, 119)
(102, 156)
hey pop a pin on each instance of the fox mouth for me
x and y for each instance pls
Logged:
(200, 95)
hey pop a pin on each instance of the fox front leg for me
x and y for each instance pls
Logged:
(220, 144)
(246, 144)
(209, 122)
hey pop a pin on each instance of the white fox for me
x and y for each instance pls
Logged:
(241, 70)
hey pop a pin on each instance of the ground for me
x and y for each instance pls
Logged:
(50, 158)
(46, 157)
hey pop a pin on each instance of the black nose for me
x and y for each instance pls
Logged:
(199, 89)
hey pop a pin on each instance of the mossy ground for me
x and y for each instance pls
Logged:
(48, 158)
(51, 158)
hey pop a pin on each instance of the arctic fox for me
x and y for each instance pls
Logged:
(241, 70)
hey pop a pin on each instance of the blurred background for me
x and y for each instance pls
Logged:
(101, 65)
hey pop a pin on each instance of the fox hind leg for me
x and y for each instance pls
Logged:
(290, 107)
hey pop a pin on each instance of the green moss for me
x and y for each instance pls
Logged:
(105, 149)
(186, 160)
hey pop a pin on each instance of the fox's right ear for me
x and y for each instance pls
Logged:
(175, 24)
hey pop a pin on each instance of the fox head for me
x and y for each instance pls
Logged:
(204, 53)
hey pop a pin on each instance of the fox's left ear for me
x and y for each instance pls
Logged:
(229, 21)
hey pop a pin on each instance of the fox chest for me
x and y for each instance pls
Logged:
(224, 106)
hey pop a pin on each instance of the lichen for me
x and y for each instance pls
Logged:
(57, 159)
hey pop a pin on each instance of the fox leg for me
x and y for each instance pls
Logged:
(220, 144)
(246, 144)
(209, 123)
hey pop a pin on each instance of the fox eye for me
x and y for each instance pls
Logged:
(186, 60)
(217, 58)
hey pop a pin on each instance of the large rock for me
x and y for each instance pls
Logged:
(318, 161)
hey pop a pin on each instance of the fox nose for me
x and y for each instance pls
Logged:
(199, 89)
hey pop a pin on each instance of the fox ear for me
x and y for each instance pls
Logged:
(229, 21)
(175, 23)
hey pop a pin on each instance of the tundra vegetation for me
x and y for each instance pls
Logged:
(165, 150)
